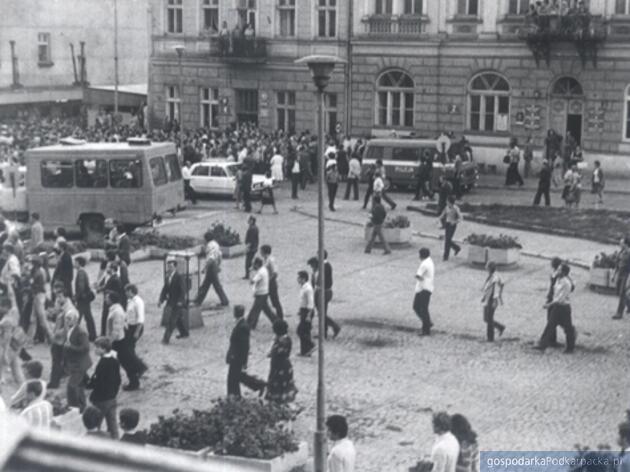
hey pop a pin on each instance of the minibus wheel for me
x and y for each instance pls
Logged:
(92, 228)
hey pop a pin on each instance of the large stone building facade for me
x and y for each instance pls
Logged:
(473, 67)
(37, 65)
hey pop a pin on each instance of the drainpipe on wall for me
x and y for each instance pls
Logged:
(14, 67)
(348, 82)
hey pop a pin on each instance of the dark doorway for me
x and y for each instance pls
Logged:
(247, 106)
(574, 126)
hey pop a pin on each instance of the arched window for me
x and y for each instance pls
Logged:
(567, 87)
(626, 115)
(488, 103)
(394, 99)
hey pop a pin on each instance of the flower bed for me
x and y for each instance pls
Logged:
(503, 250)
(396, 230)
(228, 239)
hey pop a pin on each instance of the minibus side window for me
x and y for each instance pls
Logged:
(374, 152)
(125, 173)
(91, 173)
(158, 171)
(405, 154)
(173, 169)
(57, 174)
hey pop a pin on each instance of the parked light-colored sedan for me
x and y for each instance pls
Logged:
(218, 177)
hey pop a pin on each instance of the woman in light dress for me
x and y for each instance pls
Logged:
(277, 165)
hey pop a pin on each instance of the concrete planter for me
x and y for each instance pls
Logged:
(601, 278)
(229, 252)
(70, 422)
(392, 235)
(284, 463)
(477, 254)
(504, 257)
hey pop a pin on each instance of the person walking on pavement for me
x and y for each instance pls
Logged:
(173, 295)
(492, 297)
(251, 243)
(246, 187)
(260, 286)
(134, 327)
(237, 357)
(272, 269)
(370, 174)
(84, 296)
(544, 184)
(450, 217)
(76, 360)
(61, 312)
(280, 384)
(513, 157)
(445, 190)
(556, 263)
(598, 183)
(379, 184)
(110, 283)
(189, 194)
(212, 269)
(64, 270)
(560, 312)
(354, 174)
(313, 262)
(621, 275)
(332, 181)
(424, 288)
(296, 175)
(423, 178)
(305, 314)
(378, 218)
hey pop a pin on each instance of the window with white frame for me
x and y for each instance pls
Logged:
(413, 7)
(173, 102)
(331, 116)
(285, 111)
(43, 48)
(247, 13)
(622, 7)
(626, 121)
(174, 16)
(395, 99)
(518, 7)
(468, 7)
(384, 7)
(209, 113)
(286, 12)
(488, 103)
(210, 15)
(327, 18)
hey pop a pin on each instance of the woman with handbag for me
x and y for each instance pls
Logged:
(492, 296)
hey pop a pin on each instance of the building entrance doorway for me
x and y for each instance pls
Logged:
(247, 106)
(567, 108)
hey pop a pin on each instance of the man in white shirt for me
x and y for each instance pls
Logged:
(424, 289)
(342, 456)
(134, 327)
(307, 305)
(212, 269)
(189, 194)
(260, 286)
(39, 412)
(445, 450)
(354, 174)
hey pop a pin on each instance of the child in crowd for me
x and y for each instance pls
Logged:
(32, 371)
(129, 420)
(92, 420)
(105, 383)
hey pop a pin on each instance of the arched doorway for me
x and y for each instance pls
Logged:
(566, 107)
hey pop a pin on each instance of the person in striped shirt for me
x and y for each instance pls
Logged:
(39, 412)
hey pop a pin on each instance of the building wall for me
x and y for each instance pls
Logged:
(73, 21)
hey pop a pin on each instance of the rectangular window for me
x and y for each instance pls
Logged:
(331, 116)
(211, 15)
(622, 7)
(285, 111)
(57, 174)
(247, 106)
(475, 112)
(174, 16)
(382, 108)
(406, 154)
(158, 171)
(468, 7)
(413, 7)
(125, 173)
(43, 48)
(518, 7)
(91, 173)
(247, 13)
(173, 171)
(384, 7)
(172, 102)
(327, 18)
(286, 10)
(209, 108)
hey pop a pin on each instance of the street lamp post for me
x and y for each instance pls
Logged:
(321, 68)
(180, 86)
(115, 59)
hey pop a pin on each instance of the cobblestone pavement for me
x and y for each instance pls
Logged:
(379, 371)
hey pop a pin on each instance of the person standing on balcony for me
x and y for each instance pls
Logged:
(224, 39)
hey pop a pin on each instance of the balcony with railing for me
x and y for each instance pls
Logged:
(239, 49)
(587, 32)
(394, 26)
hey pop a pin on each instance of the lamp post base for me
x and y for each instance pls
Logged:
(319, 448)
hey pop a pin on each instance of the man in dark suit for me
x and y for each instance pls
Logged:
(76, 358)
(251, 241)
(237, 355)
(64, 268)
(111, 283)
(174, 295)
(544, 184)
(124, 245)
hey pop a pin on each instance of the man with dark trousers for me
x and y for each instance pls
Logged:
(272, 269)
(174, 296)
(64, 271)
(544, 184)
(112, 283)
(251, 241)
(555, 272)
(237, 356)
(246, 187)
(84, 297)
(425, 276)
(328, 291)
(76, 360)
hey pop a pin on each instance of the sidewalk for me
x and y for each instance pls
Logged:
(497, 181)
